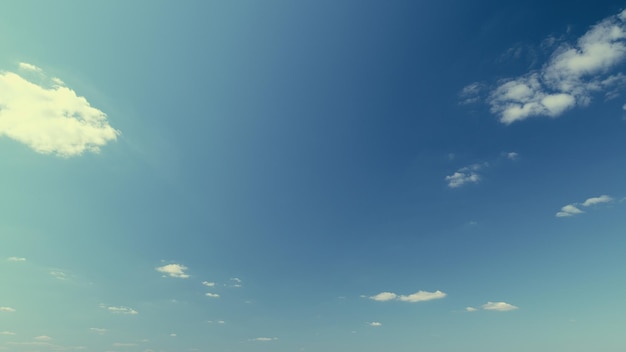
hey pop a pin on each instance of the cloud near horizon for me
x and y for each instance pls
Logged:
(50, 119)
(419, 296)
(568, 79)
(573, 209)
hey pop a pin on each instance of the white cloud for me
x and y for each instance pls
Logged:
(7, 309)
(212, 295)
(236, 282)
(16, 259)
(10, 333)
(572, 209)
(43, 338)
(384, 296)
(464, 175)
(568, 210)
(568, 79)
(50, 120)
(470, 309)
(265, 339)
(471, 93)
(28, 67)
(173, 335)
(208, 284)
(100, 331)
(499, 306)
(597, 200)
(174, 270)
(375, 324)
(122, 310)
(59, 274)
(419, 296)
(512, 155)
(217, 322)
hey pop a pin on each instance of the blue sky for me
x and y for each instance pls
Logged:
(312, 176)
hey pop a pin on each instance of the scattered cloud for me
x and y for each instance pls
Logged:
(573, 209)
(265, 339)
(499, 306)
(100, 331)
(568, 79)
(419, 296)
(236, 282)
(124, 344)
(10, 333)
(471, 93)
(59, 274)
(16, 259)
(464, 175)
(470, 309)
(512, 155)
(122, 310)
(50, 118)
(43, 338)
(384, 296)
(208, 284)
(173, 270)
(375, 324)
(173, 335)
(7, 309)
(212, 295)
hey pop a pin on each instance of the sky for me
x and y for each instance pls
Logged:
(312, 176)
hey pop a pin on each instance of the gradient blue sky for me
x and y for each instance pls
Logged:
(312, 176)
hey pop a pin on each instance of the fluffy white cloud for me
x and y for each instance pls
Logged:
(499, 306)
(572, 209)
(597, 200)
(7, 309)
(122, 310)
(265, 339)
(568, 210)
(384, 296)
(212, 295)
(418, 296)
(50, 119)
(208, 284)
(375, 324)
(173, 270)
(470, 309)
(16, 259)
(421, 296)
(464, 175)
(569, 78)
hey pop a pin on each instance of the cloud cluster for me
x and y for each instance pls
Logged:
(419, 296)
(50, 120)
(173, 270)
(569, 78)
(464, 175)
(122, 310)
(573, 209)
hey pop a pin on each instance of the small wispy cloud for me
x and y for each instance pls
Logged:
(8, 333)
(235, 282)
(16, 259)
(50, 118)
(122, 310)
(499, 306)
(7, 309)
(265, 339)
(512, 155)
(419, 296)
(173, 334)
(212, 295)
(464, 175)
(59, 274)
(43, 338)
(124, 344)
(216, 322)
(208, 284)
(573, 209)
(572, 75)
(100, 331)
(375, 324)
(471, 93)
(173, 270)
(470, 309)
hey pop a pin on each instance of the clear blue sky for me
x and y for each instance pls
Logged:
(349, 176)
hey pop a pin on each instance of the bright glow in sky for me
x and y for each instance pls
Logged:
(313, 176)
